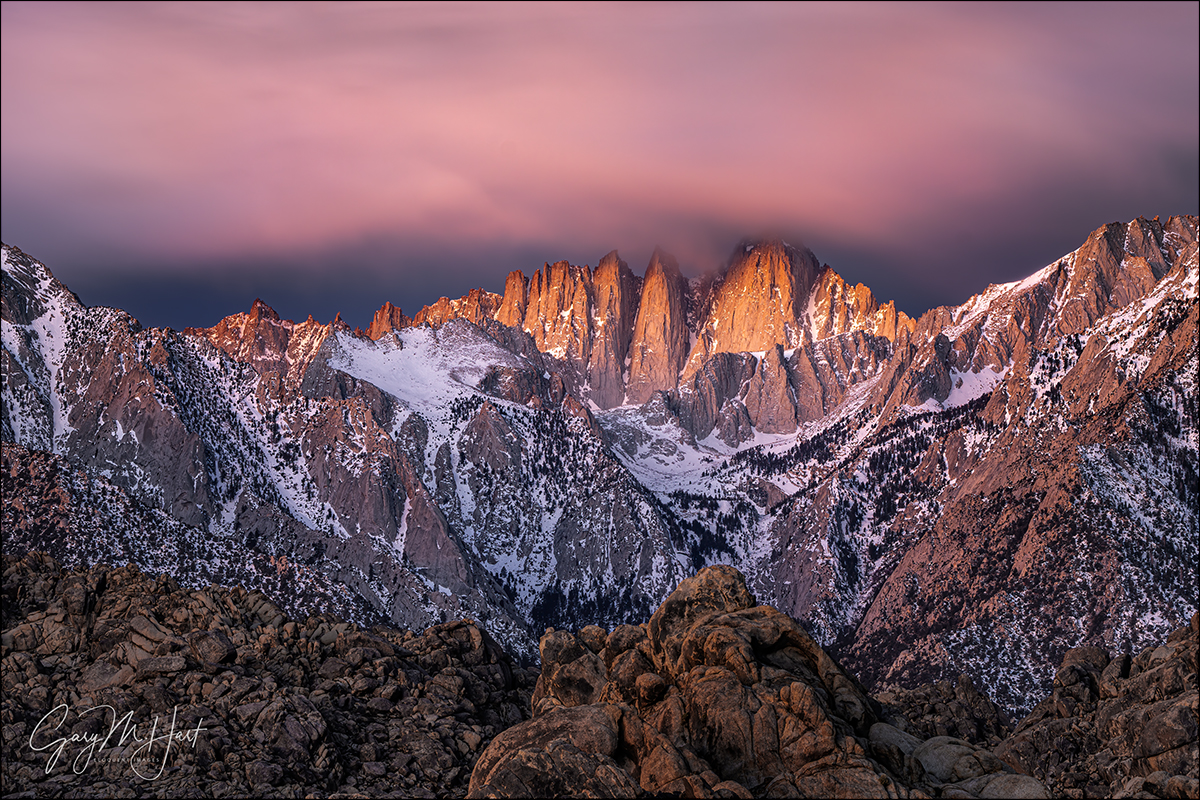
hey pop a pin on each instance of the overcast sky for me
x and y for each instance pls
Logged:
(180, 160)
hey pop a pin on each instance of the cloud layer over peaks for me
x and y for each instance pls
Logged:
(924, 150)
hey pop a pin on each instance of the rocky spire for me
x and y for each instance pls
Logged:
(614, 289)
(559, 311)
(260, 310)
(660, 335)
(388, 318)
(769, 398)
(516, 299)
(837, 307)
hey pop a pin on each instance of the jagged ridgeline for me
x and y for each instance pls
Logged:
(974, 491)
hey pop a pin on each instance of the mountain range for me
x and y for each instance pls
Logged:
(973, 491)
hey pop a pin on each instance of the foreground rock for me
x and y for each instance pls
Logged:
(946, 709)
(719, 697)
(1116, 727)
(259, 705)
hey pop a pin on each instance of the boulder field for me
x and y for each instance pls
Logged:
(121, 684)
(719, 697)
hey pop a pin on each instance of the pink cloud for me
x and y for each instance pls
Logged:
(206, 131)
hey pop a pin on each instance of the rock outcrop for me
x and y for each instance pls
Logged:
(711, 398)
(516, 300)
(823, 372)
(387, 319)
(477, 307)
(559, 315)
(714, 697)
(1116, 727)
(259, 705)
(759, 303)
(946, 708)
(770, 399)
(837, 307)
(718, 697)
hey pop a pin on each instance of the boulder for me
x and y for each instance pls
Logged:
(212, 647)
(566, 752)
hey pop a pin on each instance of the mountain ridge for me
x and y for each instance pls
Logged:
(451, 464)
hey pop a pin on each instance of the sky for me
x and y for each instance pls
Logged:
(180, 160)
